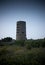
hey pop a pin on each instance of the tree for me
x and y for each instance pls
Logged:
(7, 39)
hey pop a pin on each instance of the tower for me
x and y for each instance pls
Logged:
(21, 30)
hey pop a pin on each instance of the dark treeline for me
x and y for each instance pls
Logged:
(35, 43)
(7, 39)
(28, 43)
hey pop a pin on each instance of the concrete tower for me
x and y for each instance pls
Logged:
(21, 30)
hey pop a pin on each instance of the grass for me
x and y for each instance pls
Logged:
(17, 55)
(30, 52)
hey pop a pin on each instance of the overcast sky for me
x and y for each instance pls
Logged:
(31, 11)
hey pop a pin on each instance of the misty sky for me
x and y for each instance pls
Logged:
(31, 11)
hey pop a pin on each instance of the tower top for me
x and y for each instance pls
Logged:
(21, 21)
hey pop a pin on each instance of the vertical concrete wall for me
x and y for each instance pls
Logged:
(21, 30)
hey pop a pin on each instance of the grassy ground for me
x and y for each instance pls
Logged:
(18, 55)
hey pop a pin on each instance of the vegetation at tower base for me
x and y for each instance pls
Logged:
(20, 42)
(28, 52)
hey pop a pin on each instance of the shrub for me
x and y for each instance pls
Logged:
(28, 46)
(20, 42)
